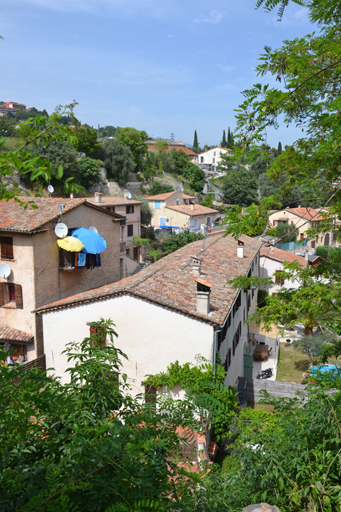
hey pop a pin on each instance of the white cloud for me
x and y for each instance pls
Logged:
(214, 17)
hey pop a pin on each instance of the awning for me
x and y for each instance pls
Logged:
(71, 244)
(93, 242)
(10, 335)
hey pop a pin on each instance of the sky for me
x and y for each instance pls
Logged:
(163, 67)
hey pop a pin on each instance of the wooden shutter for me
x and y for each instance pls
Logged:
(95, 330)
(274, 223)
(1, 294)
(6, 247)
(150, 394)
(18, 296)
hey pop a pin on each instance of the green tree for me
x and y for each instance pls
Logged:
(135, 141)
(224, 142)
(89, 172)
(195, 176)
(181, 160)
(310, 345)
(287, 232)
(207, 202)
(175, 242)
(240, 187)
(7, 127)
(195, 146)
(86, 141)
(279, 148)
(89, 445)
(146, 211)
(159, 188)
(118, 161)
(107, 131)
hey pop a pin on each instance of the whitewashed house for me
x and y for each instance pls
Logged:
(208, 160)
(271, 264)
(175, 309)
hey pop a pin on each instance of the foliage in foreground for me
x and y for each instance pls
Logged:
(88, 445)
(292, 461)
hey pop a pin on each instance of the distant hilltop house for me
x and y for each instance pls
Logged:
(179, 210)
(208, 160)
(35, 271)
(130, 209)
(13, 105)
(179, 146)
(304, 219)
(175, 309)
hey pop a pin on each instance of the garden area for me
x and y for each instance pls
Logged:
(292, 363)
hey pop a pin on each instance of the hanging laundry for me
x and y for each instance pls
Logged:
(80, 261)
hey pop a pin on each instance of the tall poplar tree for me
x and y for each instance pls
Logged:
(229, 139)
(279, 149)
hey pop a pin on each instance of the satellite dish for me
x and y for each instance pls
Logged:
(128, 195)
(5, 270)
(61, 230)
(50, 189)
(92, 228)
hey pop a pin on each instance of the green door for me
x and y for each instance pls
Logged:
(248, 365)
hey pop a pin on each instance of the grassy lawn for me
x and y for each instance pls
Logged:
(217, 182)
(291, 364)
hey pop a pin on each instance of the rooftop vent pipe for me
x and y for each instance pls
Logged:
(196, 265)
(98, 197)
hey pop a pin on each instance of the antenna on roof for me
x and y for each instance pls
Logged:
(50, 189)
(128, 195)
(5, 270)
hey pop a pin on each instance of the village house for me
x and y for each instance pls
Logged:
(179, 210)
(271, 264)
(304, 219)
(208, 160)
(175, 309)
(39, 272)
(178, 146)
(130, 250)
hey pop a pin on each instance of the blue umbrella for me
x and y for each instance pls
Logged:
(92, 241)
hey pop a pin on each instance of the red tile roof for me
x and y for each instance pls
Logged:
(184, 149)
(279, 255)
(170, 281)
(187, 209)
(9, 335)
(14, 217)
(166, 195)
(306, 213)
(112, 201)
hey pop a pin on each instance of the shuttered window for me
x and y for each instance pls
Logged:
(102, 340)
(11, 294)
(278, 278)
(6, 243)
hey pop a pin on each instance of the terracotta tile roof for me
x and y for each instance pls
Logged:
(187, 209)
(14, 217)
(160, 197)
(166, 195)
(306, 213)
(184, 149)
(9, 335)
(279, 255)
(112, 201)
(170, 281)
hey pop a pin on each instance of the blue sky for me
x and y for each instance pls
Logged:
(160, 66)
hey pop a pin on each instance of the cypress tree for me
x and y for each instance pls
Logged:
(279, 149)
(223, 142)
(195, 142)
(229, 139)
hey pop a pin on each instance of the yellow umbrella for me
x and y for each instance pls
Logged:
(70, 243)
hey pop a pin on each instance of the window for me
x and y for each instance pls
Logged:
(313, 244)
(130, 230)
(178, 201)
(66, 260)
(11, 294)
(130, 209)
(136, 253)
(278, 278)
(157, 205)
(149, 394)
(213, 160)
(227, 363)
(195, 223)
(222, 333)
(100, 336)
(208, 221)
(202, 159)
(213, 154)
(6, 243)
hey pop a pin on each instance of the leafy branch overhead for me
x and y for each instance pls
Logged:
(39, 130)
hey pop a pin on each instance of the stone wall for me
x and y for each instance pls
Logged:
(278, 389)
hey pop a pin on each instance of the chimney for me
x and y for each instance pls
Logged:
(203, 296)
(98, 197)
(192, 205)
(71, 195)
(240, 248)
(196, 265)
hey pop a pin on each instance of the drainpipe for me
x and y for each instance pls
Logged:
(59, 274)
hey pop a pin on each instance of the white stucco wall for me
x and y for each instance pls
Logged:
(268, 268)
(150, 335)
